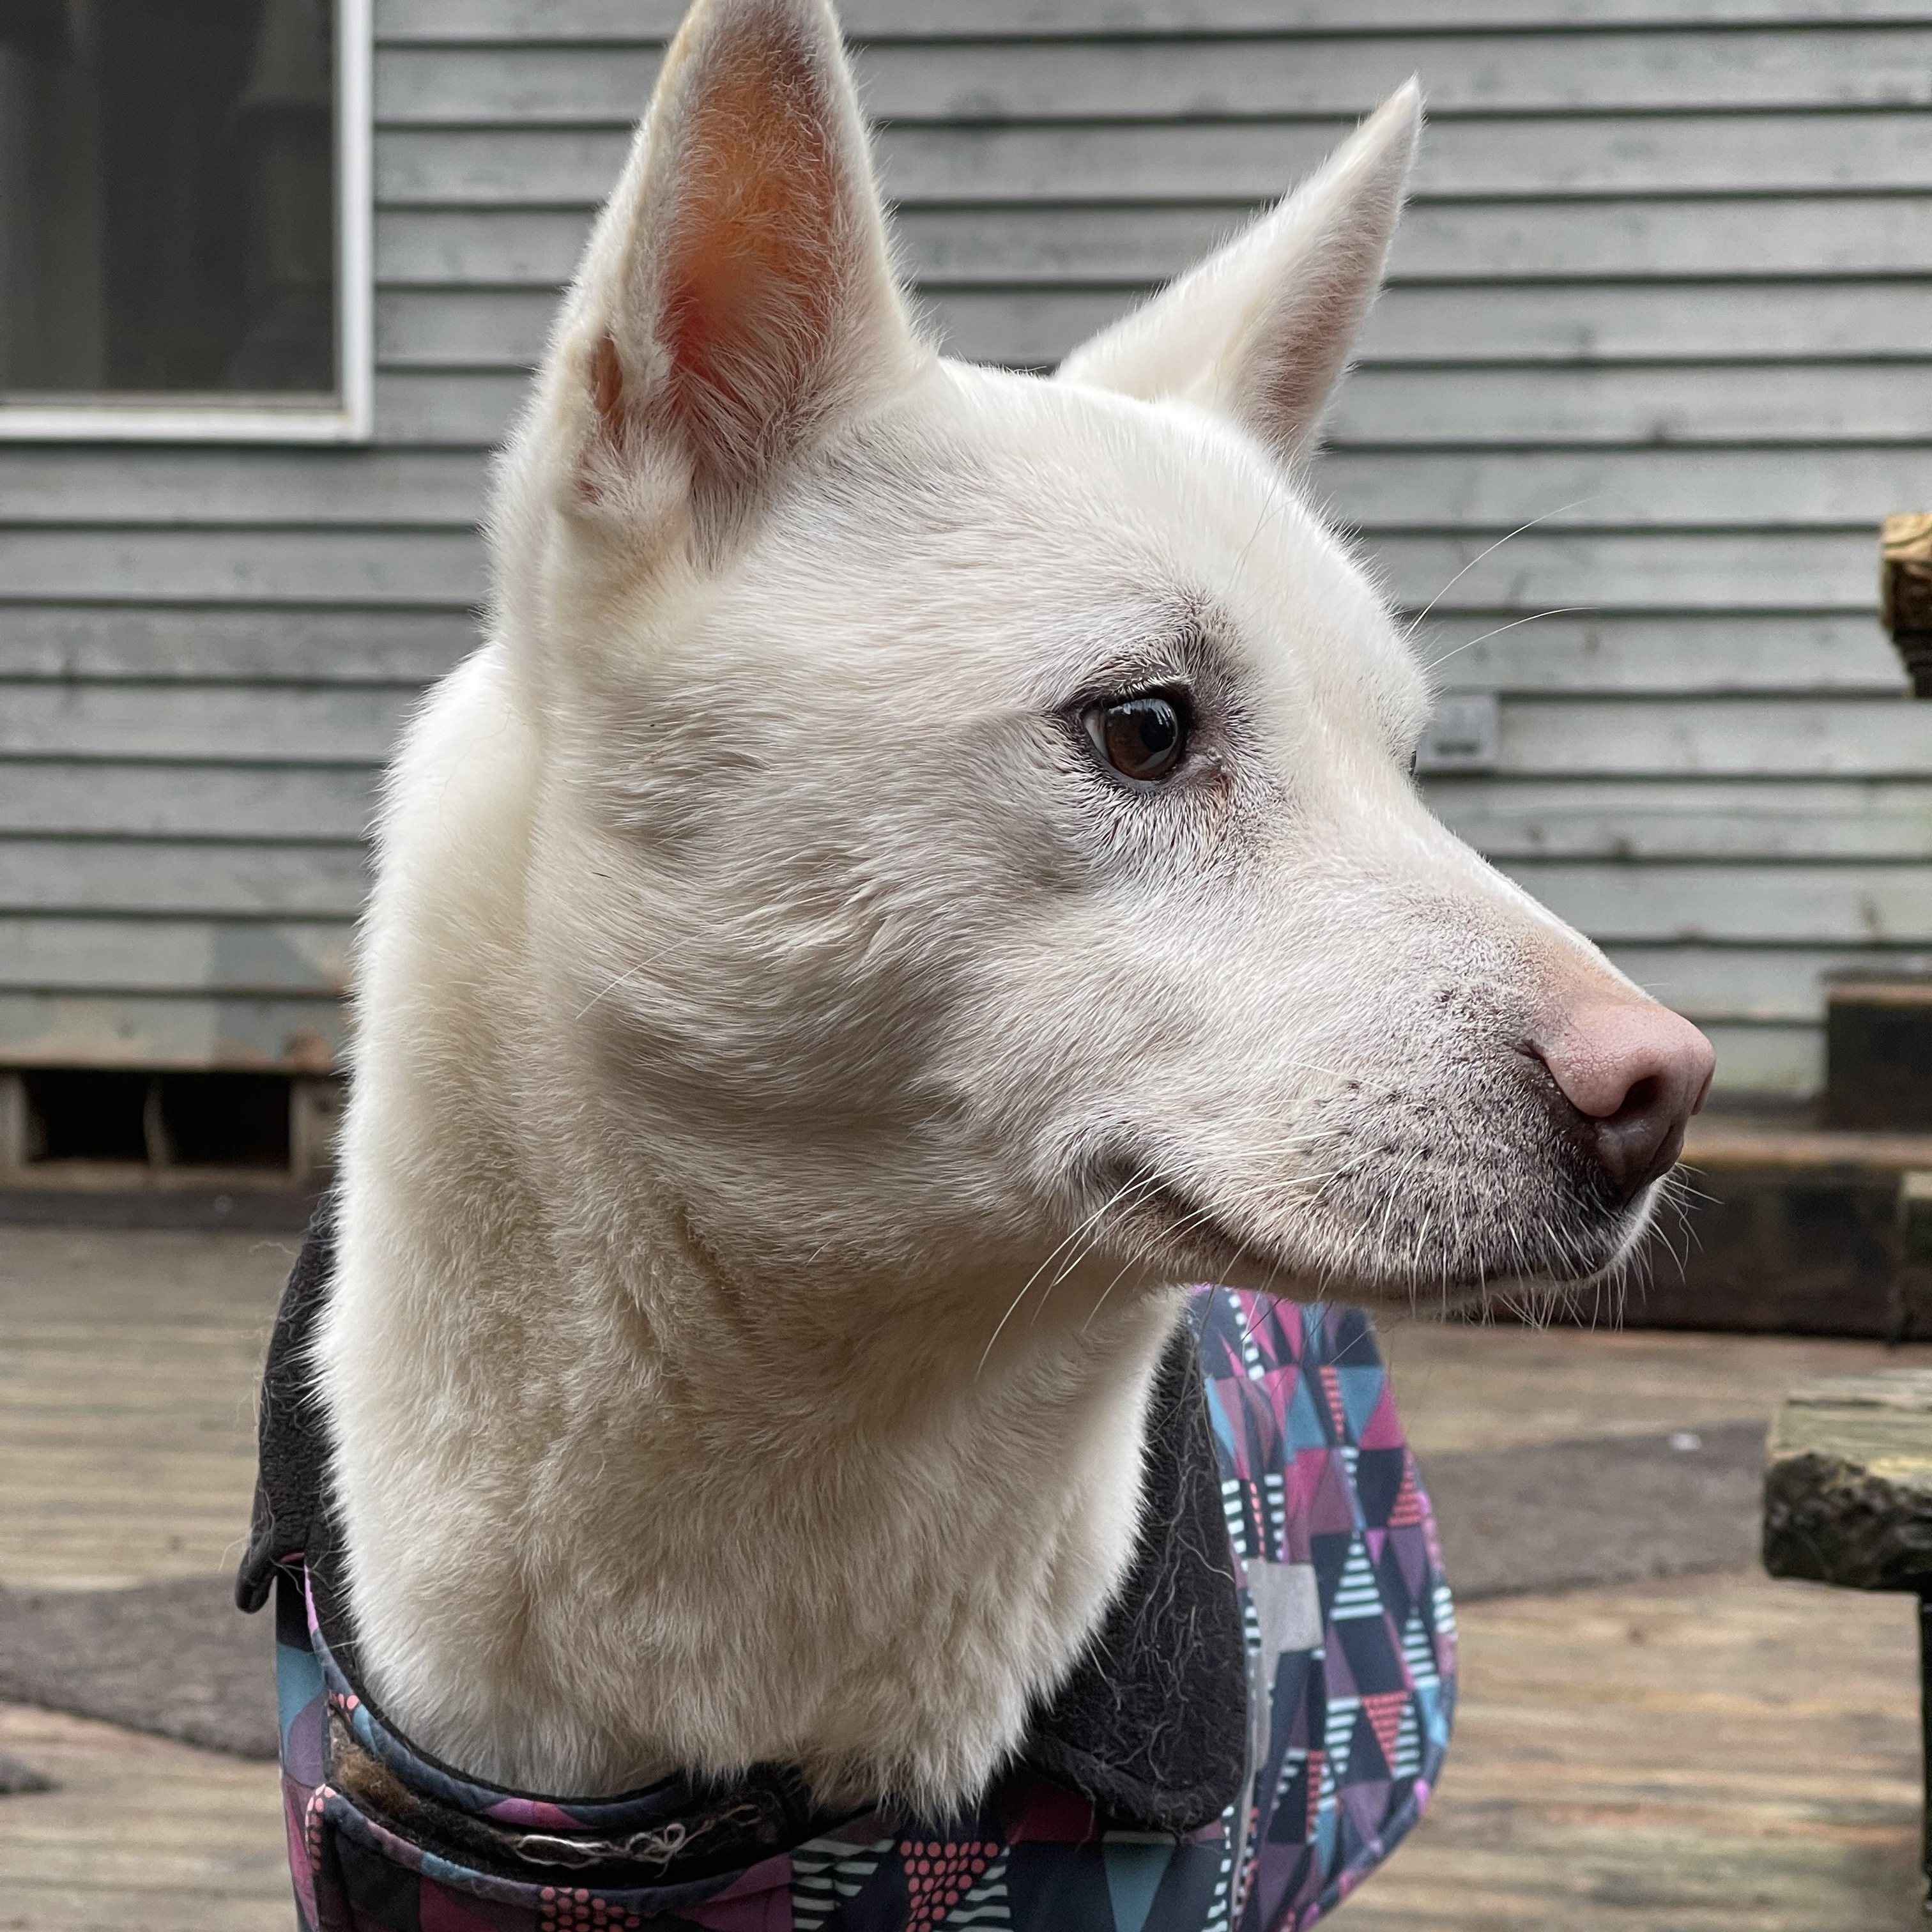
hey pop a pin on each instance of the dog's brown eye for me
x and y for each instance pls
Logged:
(1141, 737)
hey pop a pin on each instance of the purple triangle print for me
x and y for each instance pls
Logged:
(1366, 1805)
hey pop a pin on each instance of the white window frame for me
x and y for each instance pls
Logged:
(204, 418)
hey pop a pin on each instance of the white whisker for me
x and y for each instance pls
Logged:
(1415, 622)
(1535, 616)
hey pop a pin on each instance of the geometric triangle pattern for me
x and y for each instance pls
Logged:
(1352, 1739)
(1351, 1639)
(1136, 1863)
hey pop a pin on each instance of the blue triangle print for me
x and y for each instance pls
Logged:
(1361, 1389)
(1135, 1867)
(1305, 1429)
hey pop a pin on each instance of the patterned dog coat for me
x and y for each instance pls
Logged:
(1260, 1718)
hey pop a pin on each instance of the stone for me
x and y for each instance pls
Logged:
(1848, 1482)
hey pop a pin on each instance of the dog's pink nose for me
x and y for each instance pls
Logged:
(1635, 1072)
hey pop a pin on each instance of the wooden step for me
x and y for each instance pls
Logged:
(1781, 1141)
(1878, 1055)
(1785, 1225)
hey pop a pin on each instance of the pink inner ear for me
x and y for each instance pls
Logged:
(607, 385)
(755, 257)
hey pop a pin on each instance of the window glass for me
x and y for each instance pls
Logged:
(167, 201)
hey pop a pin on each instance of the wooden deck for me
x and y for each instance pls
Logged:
(1718, 1754)
(127, 1367)
(138, 1835)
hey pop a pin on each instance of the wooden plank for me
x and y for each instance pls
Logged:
(1130, 247)
(1767, 404)
(479, 248)
(184, 801)
(1762, 404)
(491, 328)
(262, 488)
(130, 1353)
(463, 329)
(1711, 235)
(110, 952)
(272, 644)
(1728, 1139)
(1840, 489)
(1465, 1387)
(486, 86)
(1779, 984)
(65, 1027)
(1520, 157)
(1817, 904)
(1025, 327)
(1723, 1752)
(1883, 67)
(1504, 322)
(239, 725)
(470, 410)
(140, 1831)
(1239, 161)
(213, 878)
(1721, 571)
(561, 22)
(496, 328)
(1593, 320)
(124, 566)
(1643, 818)
(498, 167)
(1453, 241)
(1767, 1061)
(1728, 737)
(1708, 652)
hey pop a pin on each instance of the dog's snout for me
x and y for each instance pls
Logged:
(1634, 1072)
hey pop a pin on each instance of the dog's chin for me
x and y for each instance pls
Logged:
(1183, 1237)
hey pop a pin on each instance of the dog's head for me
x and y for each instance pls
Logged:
(977, 828)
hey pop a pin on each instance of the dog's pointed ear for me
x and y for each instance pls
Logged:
(736, 298)
(1263, 329)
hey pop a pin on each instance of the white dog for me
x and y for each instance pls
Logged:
(927, 862)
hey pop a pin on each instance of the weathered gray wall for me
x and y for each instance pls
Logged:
(1664, 285)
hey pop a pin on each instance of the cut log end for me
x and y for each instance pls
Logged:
(1905, 591)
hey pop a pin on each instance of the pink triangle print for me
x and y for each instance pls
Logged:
(1331, 1392)
(1383, 1429)
(1384, 1713)
(1317, 1760)
(1405, 1512)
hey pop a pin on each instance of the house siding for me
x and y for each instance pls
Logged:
(1665, 291)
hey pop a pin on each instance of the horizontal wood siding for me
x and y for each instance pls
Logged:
(1665, 292)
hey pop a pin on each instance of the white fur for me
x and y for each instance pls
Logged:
(791, 1072)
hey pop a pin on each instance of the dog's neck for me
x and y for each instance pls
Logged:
(614, 1504)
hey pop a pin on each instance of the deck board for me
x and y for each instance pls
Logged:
(1718, 1753)
(127, 1369)
(138, 1835)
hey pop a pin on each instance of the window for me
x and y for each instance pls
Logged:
(184, 219)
